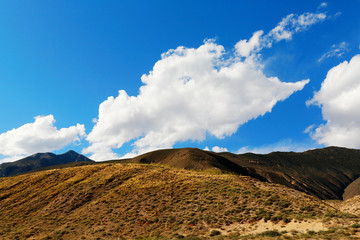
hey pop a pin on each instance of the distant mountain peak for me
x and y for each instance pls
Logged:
(40, 160)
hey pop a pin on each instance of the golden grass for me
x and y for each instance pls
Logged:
(115, 201)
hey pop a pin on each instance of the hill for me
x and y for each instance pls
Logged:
(137, 201)
(324, 173)
(328, 173)
(192, 159)
(39, 161)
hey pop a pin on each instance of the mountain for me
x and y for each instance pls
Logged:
(141, 201)
(328, 173)
(324, 173)
(353, 189)
(39, 161)
(192, 159)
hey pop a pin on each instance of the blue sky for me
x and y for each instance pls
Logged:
(61, 59)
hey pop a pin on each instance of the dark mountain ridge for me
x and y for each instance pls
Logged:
(324, 173)
(40, 160)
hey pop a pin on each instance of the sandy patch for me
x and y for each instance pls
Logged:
(351, 205)
(262, 226)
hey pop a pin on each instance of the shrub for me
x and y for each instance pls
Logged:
(215, 233)
(271, 233)
(356, 225)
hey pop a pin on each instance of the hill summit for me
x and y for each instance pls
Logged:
(40, 160)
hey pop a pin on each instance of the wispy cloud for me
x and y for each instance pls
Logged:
(323, 5)
(286, 145)
(336, 50)
(294, 23)
(284, 30)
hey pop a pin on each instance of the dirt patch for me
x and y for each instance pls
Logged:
(263, 226)
(351, 205)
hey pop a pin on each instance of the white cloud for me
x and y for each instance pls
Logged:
(284, 30)
(189, 92)
(219, 149)
(245, 47)
(286, 145)
(339, 98)
(337, 50)
(294, 23)
(216, 149)
(192, 92)
(39, 136)
(323, 5)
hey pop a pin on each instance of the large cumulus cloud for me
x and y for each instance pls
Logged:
(339, 99)
(190, 92)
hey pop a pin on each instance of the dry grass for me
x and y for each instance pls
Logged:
(115, 201)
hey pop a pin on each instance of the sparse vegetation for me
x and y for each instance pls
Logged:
(270, 233)
(128, 201)
(355, 225)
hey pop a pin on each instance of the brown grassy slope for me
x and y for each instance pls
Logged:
(352, 190)
(110, 201)
(324, 173)
(186, 158)
(192, 159)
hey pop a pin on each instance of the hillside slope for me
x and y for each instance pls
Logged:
(39, 161)
(352, 190)
(114, 201)
(324, 173)
(192, 159)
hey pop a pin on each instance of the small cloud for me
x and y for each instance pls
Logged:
(336, 15)
(294, 23)
(310, 128)
(216, 149)
(284, 30)
(336, 50)
(219, 149)
(323, 5)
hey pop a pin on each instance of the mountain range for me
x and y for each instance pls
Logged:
(183, 193)
(328, 173)
(40, 161)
